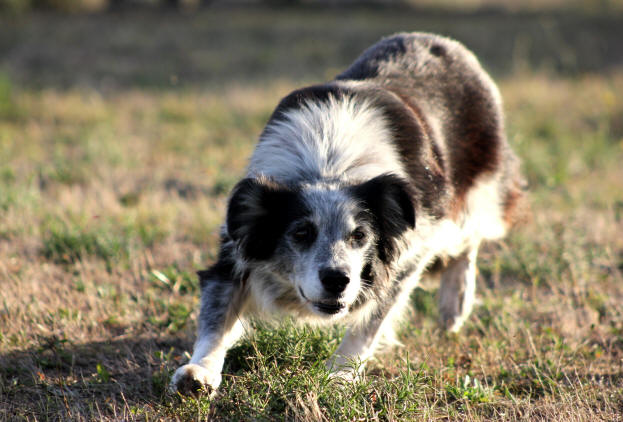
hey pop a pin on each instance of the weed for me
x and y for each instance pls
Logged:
(102, 373)
(175, 280)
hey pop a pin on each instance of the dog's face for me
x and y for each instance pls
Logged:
(320, 245)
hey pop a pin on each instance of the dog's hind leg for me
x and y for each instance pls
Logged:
(457, 291)
(220, 325)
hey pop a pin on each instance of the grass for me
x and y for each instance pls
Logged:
(110, 200)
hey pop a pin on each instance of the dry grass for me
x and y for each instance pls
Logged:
(110, 202)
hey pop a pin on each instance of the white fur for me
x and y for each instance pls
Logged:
(336, 140)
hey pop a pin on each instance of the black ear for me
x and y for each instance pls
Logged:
(258, 214)
(388, 198)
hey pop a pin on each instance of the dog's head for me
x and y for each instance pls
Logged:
(324, 245)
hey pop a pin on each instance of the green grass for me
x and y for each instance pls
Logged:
(110, 200)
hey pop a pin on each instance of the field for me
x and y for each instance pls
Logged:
(121, 136)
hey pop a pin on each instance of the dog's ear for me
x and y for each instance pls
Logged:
(389, 199)
(258, 214)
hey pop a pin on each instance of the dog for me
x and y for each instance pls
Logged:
(356, 188)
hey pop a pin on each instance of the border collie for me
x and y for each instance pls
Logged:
(355, 189)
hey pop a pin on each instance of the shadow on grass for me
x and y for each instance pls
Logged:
(62, 380)
(128, 377)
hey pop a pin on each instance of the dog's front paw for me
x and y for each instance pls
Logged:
(193, 380)
(345, 370)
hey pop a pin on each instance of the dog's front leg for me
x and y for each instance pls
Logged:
(356, 348)
(220, 325)
(361, 340)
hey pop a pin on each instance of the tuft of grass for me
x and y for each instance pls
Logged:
(175, 280)
(470, 390)
(67, 243)
(102, 373)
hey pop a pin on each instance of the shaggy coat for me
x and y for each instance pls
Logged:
(355, 188)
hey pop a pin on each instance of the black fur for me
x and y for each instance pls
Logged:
(223, 269)
(388, 199)
(367, 65)
(258, 215)
(315, 93)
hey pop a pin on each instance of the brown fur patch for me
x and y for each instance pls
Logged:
(477, 138)
(515, 206)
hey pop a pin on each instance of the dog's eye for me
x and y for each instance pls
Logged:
(357, 235)
(304, 234)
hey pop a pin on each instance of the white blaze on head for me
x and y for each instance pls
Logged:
(337, 139)
(334, 215)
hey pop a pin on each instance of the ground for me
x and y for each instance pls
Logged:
(121, 136)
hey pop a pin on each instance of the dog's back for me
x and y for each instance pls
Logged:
(460, 109)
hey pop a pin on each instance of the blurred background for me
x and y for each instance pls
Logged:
(175, 43)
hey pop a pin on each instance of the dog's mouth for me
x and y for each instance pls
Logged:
(329, 307)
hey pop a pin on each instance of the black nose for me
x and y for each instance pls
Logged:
(334, 280)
